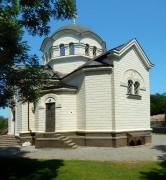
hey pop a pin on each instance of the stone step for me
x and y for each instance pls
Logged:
(8, 140)
(5, 137)
(57, 134)
(64, 138)
(71, 144)
(68, 141)
(8, 145)
(75, 146)
(61, 139)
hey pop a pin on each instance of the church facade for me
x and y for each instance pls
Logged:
(97, 97)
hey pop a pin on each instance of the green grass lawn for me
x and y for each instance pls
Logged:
(21, 168)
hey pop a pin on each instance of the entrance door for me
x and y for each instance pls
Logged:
(50, 117)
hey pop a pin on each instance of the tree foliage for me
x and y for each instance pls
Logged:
(3, 123)
(158, 104)
(15, 17)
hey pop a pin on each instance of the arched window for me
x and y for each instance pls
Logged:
(136, 88)
(71, 48)
(87, 50)
(94, 51)
(50, 54)
(62, 50)
(46, 57)
(130, 87)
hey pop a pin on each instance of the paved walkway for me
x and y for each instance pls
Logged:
(153, 152)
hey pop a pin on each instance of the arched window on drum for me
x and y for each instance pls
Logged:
(94, 51)
(71, 49)
(62, 50)
(87, 49)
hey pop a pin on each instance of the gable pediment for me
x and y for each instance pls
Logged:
(133, 44)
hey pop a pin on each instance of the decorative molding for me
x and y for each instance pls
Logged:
(134, 96)
(133, 75)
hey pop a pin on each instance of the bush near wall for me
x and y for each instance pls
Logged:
(3, 123)
(161, 130)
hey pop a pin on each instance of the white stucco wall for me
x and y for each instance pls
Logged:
(94, 104)
(79, 81)
(98, 101)
(10, 123)
(67, 65)
(130, 114)
(18, 119)
(68, 113)
(65, 112)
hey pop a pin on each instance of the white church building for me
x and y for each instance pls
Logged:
(97, 98)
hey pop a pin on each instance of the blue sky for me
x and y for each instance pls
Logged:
(118, 21)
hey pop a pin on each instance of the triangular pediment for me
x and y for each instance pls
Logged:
(120, 50)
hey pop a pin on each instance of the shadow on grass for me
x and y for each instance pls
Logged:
(161, 148)
(160, 171)
(11, 152)
(23, 168)
(15, 166)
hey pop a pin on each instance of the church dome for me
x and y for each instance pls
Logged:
(79, 30)
(74, 27)
(70, 46)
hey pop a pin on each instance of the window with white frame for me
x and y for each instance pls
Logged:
(71, 48)
(87, 50)
(130, 87)
(62, 50)
(136, 88)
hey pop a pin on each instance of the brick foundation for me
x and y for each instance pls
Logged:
(91, 139)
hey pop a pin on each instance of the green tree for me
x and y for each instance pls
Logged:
(15, 17)
(158, 104)
(3, 123)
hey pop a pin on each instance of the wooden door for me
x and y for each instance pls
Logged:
(50, 117)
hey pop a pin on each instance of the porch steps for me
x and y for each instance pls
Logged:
(53, 140)
(68, 141)
(8, 140)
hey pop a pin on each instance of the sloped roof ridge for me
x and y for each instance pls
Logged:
(118, 48)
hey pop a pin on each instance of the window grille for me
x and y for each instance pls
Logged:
(136, 88)
(87, 50)
(62, 50)
(94, 51)
(71, 48)
(50, 54)
(129, 87)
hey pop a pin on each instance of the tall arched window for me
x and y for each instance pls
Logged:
(87, 50)
(130, 87)
(94, 51)
(62, 50)
(71, 48)
(136, 88)
(46, 55)
(50, 54)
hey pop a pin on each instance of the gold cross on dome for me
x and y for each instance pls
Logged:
(74, 18)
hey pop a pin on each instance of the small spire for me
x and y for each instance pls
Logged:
(74, 18)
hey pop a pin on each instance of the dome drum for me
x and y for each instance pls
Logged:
(78, 49)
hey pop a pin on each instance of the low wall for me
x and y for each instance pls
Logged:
(159, 130)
